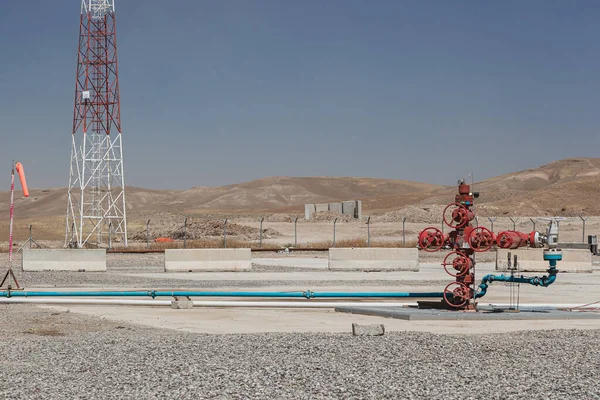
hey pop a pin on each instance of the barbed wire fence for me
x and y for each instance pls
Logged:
(574, 229)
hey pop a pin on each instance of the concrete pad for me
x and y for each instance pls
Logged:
(78, 260)
(374, 259)
(190, 260)
(232, 320)
(414, 314)
(532, 260)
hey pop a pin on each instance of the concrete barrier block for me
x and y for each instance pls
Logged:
(373, 259)
(77, 260)
(335, 207)
(531, 260)
(322, 207)
(358, 213)
(348, 207)
(182, 303)
(193, 260)
(309, 210)
(368, 330)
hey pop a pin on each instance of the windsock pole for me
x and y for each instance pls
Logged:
(10, 274)
(12, 213)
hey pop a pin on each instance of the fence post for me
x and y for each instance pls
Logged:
(476, 221)
(334, 222)
(514, 221)
(443, 223)
(403, 232)
(261, 219)
(147, 234)
(109, 235)
(582, 233)
(534, 222)
(295, 232)
(492, 222)
(185, 233)
(368, 231)
(225, 234)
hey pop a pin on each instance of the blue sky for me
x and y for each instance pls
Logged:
(223, 91)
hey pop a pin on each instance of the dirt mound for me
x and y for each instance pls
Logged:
(202, 229)
(327, 216)
(429, 213)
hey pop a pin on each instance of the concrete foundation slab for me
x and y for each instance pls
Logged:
(373, 259)
(194, 260)
(531, 260)
(82, 260)
(414, 314)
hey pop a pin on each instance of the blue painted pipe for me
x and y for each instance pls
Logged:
(544, 281)
(153, 293)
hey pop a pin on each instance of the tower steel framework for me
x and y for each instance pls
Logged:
(96, 193)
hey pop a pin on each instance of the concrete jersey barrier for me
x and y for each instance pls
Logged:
(84, 260)
(531, 260)
(193, 260)
(374, 259)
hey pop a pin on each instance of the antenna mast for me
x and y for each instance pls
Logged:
(96, 193)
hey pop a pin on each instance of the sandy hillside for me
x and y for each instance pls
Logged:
(567, 187)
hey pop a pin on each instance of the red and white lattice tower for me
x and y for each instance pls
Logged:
(96, 196)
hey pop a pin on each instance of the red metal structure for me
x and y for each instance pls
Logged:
(464, 241)
(96, 197)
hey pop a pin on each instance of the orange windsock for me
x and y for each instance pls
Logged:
(21, 171)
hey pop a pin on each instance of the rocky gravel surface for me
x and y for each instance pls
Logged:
(58, 355)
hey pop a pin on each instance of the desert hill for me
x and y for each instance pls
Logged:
(565, 187)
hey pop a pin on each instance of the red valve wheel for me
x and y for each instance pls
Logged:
(431, 239)
(461, 264)
(460, 216)
(481, 239)
(457, 294)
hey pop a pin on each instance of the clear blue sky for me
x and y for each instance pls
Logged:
(223, 91)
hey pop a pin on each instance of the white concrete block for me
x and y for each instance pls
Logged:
(83, 260)
(374, 259)
(349, 207)
(368, 330)
(358, 209)
(193, 260)
(309, 209)
(532, 260)
(322, 207)
(335, 207)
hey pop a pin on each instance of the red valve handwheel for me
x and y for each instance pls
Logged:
(460, 216)
(457, 294)
(481, 239)
(461, 264)
(431, 239)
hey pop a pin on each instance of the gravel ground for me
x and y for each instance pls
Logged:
(50, 355)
